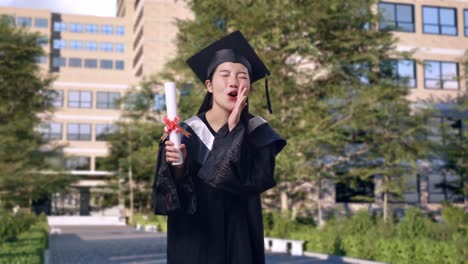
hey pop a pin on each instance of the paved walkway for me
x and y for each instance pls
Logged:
(124, 245)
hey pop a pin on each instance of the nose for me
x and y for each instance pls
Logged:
(233, 81)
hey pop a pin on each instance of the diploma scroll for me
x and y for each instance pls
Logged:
(171, 106)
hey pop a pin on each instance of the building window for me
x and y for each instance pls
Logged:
(354, 190)
(106, 46)
(159, 102)
(106, 64)
(440, 75)
(90, 63)
(103, 131)
(23, 21)
(41, 59)
(398, 17)
(135, 101)
(92, 28)
(107, 29)
(76, 27)
(445, 187)
(51, 131)
(59, 43)
(78, 163)
(466, 22)
(441, 128)
(59, 62)
(91, 45)
(119, 65)
(411, 190)
(401, 72)
(186, 87)
(42, 40)
(102, 164)
(120, 30)
(439, 20)
(120, 47)
(41, 22)
(10, 20)
(107, 100)
(57, 98)
(60, 26)
(75, 62)
(80, 99)
(75, 44)
(79, 132)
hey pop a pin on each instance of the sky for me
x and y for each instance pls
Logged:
(82, 7)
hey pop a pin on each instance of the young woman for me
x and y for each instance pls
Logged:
(213, 199)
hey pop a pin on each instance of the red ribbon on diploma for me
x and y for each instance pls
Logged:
(173, 125)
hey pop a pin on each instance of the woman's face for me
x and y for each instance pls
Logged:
(227, 79)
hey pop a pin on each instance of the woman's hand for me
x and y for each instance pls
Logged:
(241, 102)
(172, 154)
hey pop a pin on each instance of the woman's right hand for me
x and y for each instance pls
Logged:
(172, 154)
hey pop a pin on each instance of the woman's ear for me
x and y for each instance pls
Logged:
(209, 86)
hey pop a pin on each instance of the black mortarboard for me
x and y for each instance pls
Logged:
(231, 48)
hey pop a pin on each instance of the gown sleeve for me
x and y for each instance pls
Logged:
(239, 166)
(170, 195)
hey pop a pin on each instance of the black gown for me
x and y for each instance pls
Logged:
(214, 212)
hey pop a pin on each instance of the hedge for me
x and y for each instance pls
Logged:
(416, 239)
(29, 246)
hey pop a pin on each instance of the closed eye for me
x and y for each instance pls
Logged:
(243, 76)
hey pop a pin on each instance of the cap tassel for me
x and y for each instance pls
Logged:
(268, 95)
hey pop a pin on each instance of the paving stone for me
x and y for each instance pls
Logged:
(125, 245)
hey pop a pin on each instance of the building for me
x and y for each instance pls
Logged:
(437, 32)
(96, 60)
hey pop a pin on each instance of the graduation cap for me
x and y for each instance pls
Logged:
(231, 48)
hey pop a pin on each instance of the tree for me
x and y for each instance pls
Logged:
(328, 89)
(25, 94)
(453, 146)
(135, 143)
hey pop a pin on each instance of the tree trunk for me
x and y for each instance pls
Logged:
(385, 207)
(30, 204)
(284, 200)
(130, 186)
(294, 212)
(319, 203)
(130, 174)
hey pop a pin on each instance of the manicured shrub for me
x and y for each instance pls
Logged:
(159, 221)
(24, 221)
(416, 239)
(414, 225)
(28, 248)
(395, 250)
(278, 224)
(454, 217)
(358, 224)
(8, 230)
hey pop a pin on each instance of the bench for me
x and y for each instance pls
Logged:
(281, 245)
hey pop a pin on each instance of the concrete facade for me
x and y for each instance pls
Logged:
(97, 59)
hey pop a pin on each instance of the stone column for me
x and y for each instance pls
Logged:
(378, 201)
(423, 192)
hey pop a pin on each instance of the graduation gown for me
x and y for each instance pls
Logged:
(214, 211)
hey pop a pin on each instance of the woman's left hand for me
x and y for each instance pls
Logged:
(241, 102)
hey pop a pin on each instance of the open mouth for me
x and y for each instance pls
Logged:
(233, 94)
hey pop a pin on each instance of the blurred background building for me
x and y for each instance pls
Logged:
(97, 59)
